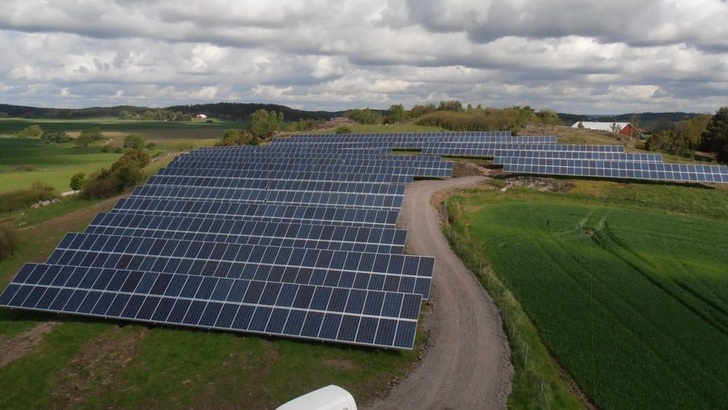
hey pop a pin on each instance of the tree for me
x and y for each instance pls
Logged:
(396, 114)
(263, 124)
(549, 117)
(78, 180)
(452, 105)
(88, 136)
(33, 131)
(134, 141)
(715, 136)
(55, 136)
(364, 116)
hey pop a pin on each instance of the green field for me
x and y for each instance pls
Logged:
(627, 285)
(56, 163)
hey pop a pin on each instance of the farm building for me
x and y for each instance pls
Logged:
(623, 128)
(201, 117)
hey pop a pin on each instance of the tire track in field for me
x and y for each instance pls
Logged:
(466, 364)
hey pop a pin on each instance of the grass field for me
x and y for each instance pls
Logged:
(56, 163)
(627, 284)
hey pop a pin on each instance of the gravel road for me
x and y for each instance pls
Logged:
(466, 364)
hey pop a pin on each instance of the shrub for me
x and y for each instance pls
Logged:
(21, 199)
(8, 241)
(32, 131)
(343, 130)
(78, 180)
(25, 168)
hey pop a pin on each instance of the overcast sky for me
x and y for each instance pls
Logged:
(577, 56)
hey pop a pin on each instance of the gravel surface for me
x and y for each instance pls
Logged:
(466, 364)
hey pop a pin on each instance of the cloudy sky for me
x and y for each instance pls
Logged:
(579, 56)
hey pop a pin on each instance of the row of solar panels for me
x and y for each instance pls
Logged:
(525, 155)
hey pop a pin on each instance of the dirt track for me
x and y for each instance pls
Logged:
(467, 361)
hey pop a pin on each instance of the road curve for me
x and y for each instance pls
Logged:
(467, 361)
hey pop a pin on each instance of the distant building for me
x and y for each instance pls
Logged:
(623, 128)
(201, 117)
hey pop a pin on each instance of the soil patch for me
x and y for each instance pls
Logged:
(21, 344)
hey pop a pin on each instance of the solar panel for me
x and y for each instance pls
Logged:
(353, 316)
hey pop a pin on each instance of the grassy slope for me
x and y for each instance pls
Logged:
(625, 291)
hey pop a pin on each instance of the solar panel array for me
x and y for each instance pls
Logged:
(297, 238)
(291, 239)
(540, 155)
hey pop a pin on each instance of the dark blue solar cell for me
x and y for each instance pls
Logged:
(270, 293)
(222, 289)
(178, 311)
(132, 307)
(148, 307)
(242, 319)
(175, 285)
(74, 301)
(361, 280)
(320, 298)
(355, 304)
(407, 284)
(8, 294)
(209, 317)
(47, 298)
(303, 297)
(260, 318)
(287, 295)
(347, 279)
(392, 304)
(312, 324)
(386, 332)
(191, 286)
(160, 284)
(237, 291)
(410, 307)
(294, 324)
(192, 317)
(206, 287)
(277, 321)
(254, 292)
(374, 302)
(89, 302)
(162, 312)
(227, 315)
(367, 330)
(405, 335)
(330, 326)
(348, 328)
(146, 282)
(332, 278)
(131, 282)
(117, 306)
(103, 304)
(61, 299)
(422, 287)
(391, 283)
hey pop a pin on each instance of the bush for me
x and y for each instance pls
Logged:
(22, 199)
(488, 119)
(343, 130)
(32, 131)
(133, 158)
(78, 180)
(55, 136)
(8, 241)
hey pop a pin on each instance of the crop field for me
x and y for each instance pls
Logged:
(627, 284)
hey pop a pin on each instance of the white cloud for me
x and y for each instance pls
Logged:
(570, 55)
